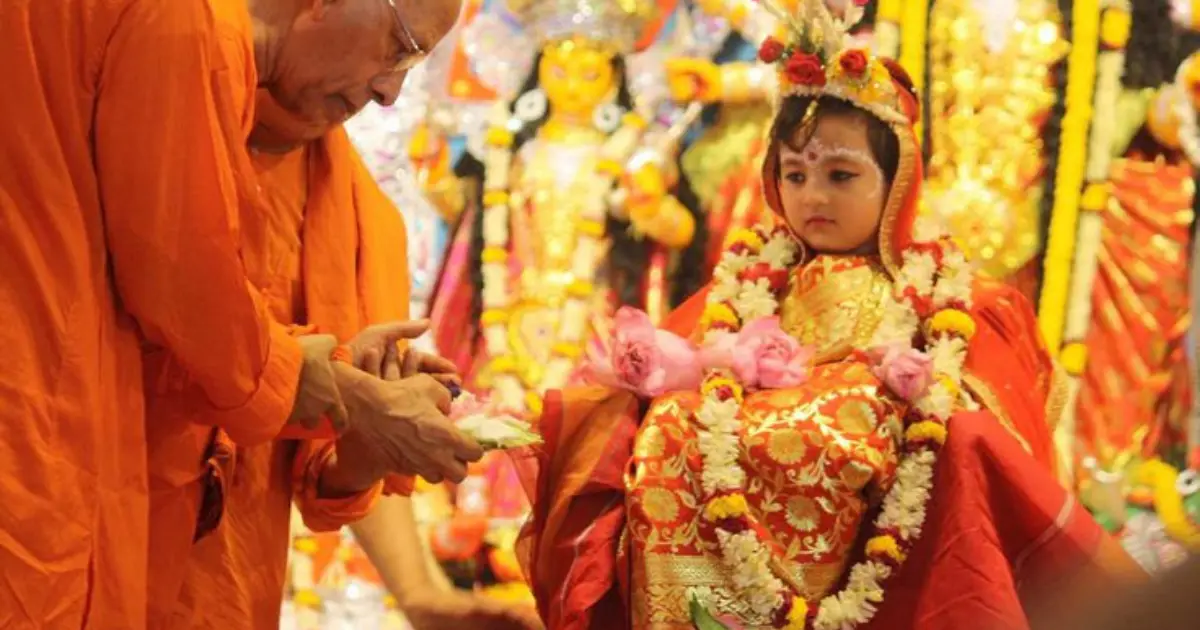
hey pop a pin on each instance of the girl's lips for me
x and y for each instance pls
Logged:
(818, 221)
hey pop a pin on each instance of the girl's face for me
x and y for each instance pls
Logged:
(833, 191)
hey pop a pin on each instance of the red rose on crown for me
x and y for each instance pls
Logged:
(771, 50)
(854, 63)
(805, 69)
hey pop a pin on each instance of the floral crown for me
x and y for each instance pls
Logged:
(818, 59)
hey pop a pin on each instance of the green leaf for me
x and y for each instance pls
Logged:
(702, 619)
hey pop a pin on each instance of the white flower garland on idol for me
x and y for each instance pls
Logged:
(512, 390)
(935, 280)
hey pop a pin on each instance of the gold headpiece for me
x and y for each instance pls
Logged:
(818, 58)
(617, 23)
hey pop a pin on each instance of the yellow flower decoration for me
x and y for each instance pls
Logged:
(305, 545)
(953, 321)
(307, 599)
(1073, 358)
(494, 255)
(1114, 28)
(610, 167)
(727, 506)
(504, 365)
(747, 237)
(594, 229)
(580, 289)
(499, 137)
(926, 430)
(712, 384)
(494, 316)
(718, 312)
(1095, 198)
(951, 386)
(633, 120)
(495, 198)
(533, 402)
(798, 615)
(885, 546)
(568, 350)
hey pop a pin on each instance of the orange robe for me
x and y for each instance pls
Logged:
(117, 202)
(326, 251)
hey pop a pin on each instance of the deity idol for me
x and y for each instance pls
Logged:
(1136, 421)
(847, 428)
(571, 213)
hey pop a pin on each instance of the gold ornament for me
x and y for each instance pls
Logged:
(618, 23)
(985, 110)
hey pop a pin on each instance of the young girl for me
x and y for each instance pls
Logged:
(868, 444)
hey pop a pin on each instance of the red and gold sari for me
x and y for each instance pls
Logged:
(616, 542)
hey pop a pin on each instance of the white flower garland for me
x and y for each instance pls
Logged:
(936, 279)
(593, 195)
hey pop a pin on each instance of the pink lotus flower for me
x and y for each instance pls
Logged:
(762, 356)
(645, 360)
(906, 371)
(468, 404)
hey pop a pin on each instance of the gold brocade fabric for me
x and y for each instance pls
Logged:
(816, 458)
(835, 315)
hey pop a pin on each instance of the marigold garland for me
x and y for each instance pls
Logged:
(1064, 217)
(1087, 235)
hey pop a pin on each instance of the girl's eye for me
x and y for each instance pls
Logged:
(795, 178)
(842, 176)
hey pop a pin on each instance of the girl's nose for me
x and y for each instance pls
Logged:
(813, 195)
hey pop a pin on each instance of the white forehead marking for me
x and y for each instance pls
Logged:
(817, 153)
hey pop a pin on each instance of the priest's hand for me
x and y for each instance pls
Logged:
(397, 427)
(374, 344)
(432, 609)
(396, 364)
(318, 395)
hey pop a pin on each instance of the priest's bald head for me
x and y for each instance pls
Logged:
(324, 60)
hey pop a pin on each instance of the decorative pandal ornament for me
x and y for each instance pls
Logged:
(616, 23)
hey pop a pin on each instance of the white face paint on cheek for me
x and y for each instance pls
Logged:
(817, 154)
